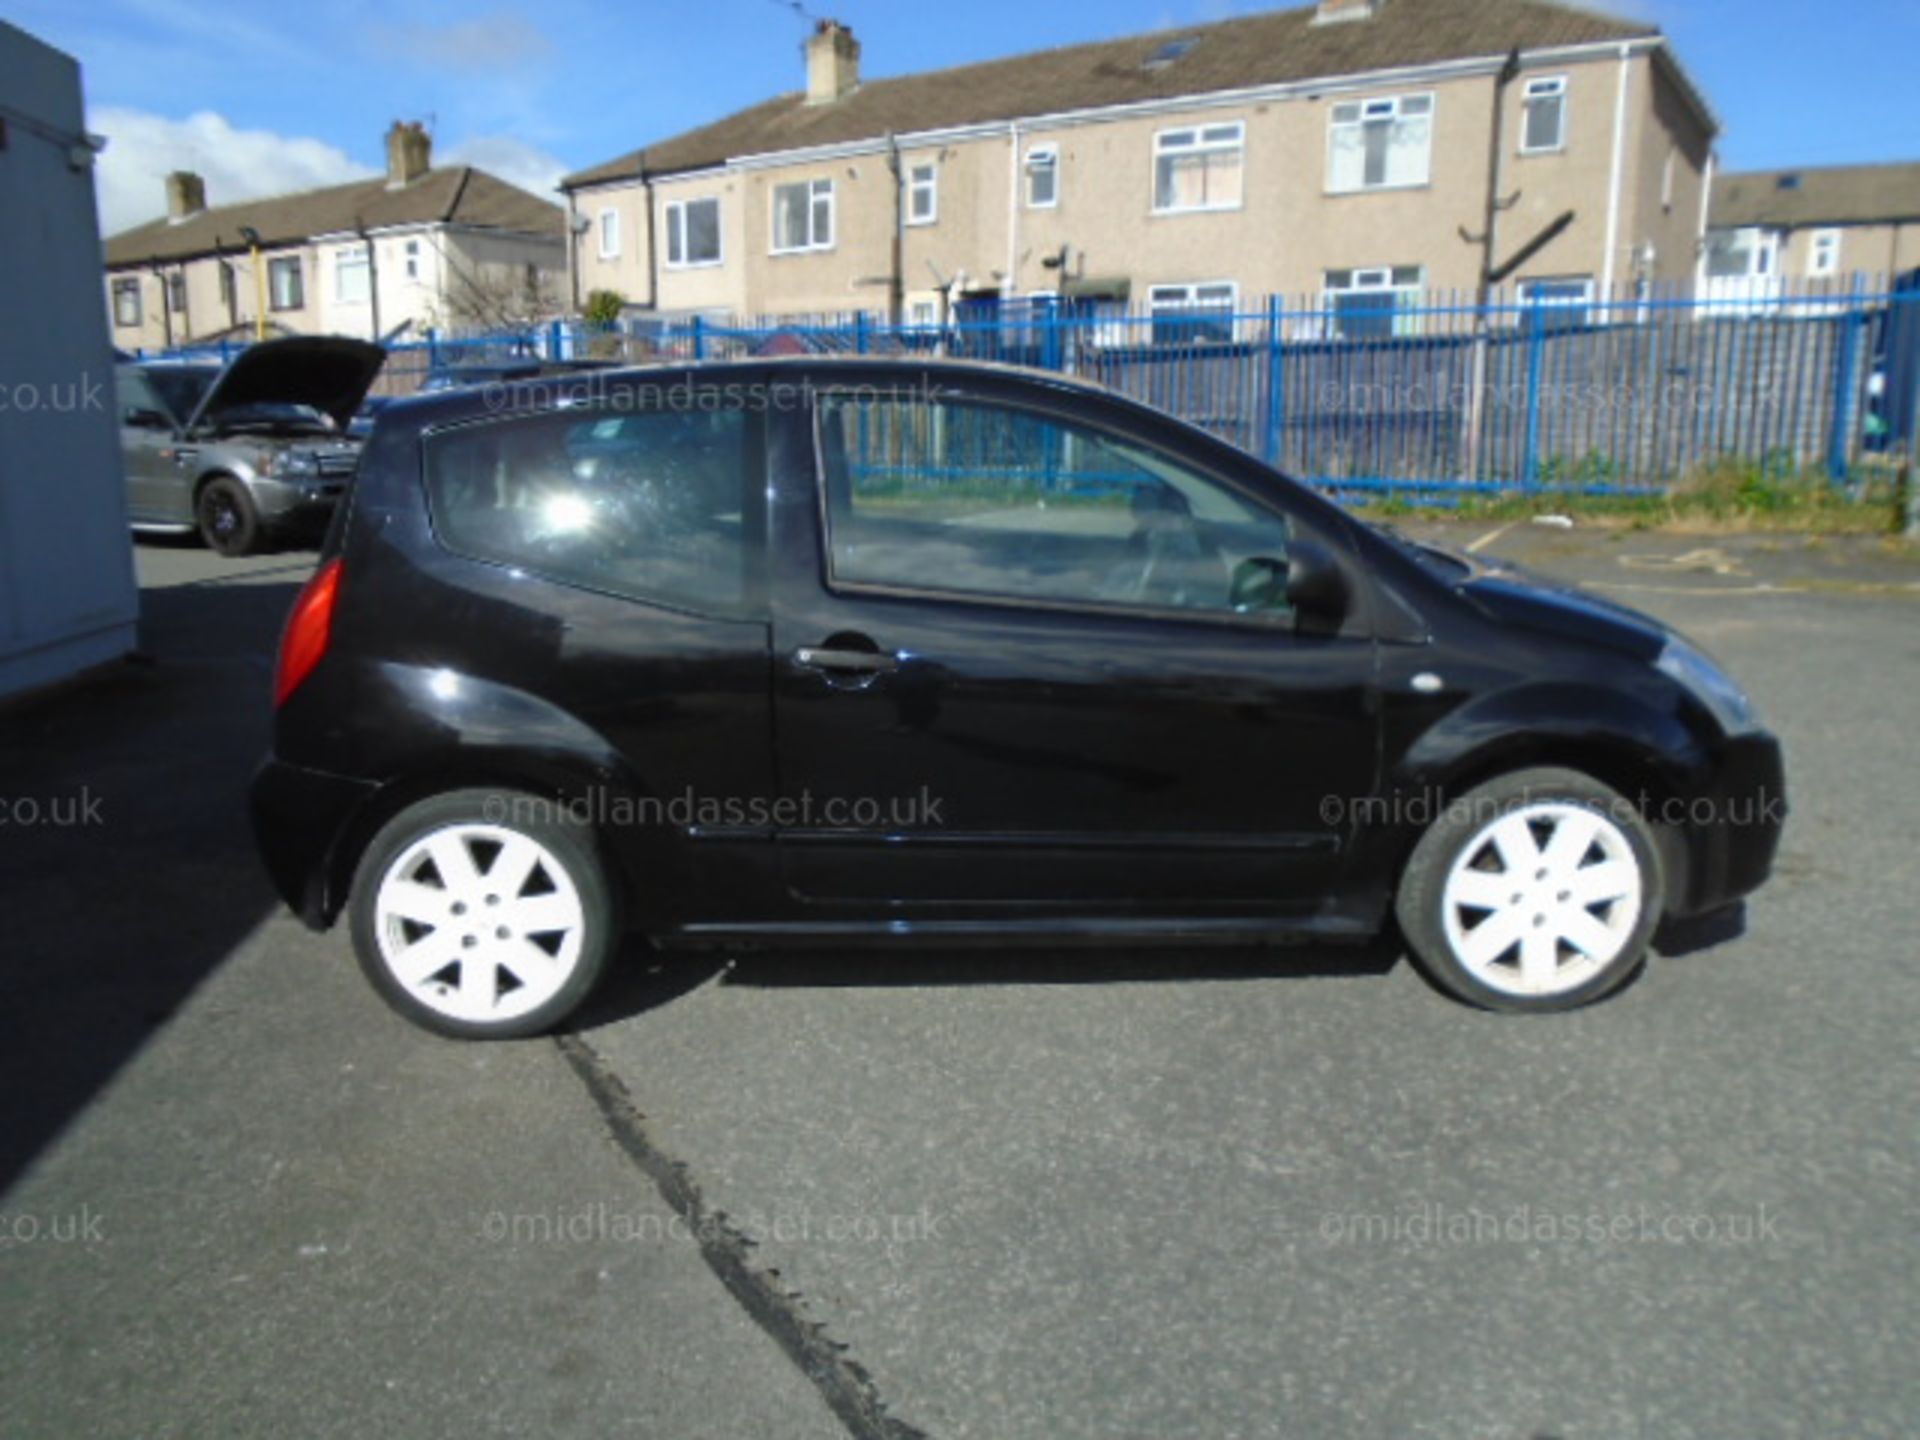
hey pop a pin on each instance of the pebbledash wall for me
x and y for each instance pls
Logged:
(68, 600)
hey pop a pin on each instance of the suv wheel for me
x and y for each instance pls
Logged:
(1536, 891)
(476, 915)
(228, 522)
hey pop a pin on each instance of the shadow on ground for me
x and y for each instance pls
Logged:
(646, 979)
(137, 877)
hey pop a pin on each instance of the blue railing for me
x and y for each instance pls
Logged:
(1431, 399)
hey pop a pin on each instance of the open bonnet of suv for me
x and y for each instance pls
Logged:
(328, 373)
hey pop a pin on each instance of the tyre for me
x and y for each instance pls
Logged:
(228, 522)
(1537, 891)
(477, 915)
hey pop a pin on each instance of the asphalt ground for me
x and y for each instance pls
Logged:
(1007, 1193)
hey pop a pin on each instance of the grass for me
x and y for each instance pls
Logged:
(1731, 495)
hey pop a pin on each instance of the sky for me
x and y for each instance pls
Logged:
(262, 98)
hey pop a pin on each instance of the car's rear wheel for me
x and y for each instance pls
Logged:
(228, 521)
(1539, 890)
(481, 915)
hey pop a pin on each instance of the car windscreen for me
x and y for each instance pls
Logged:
(181, 387)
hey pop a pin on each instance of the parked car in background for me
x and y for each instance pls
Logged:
(247, 453)
(857, 649)
(459, 376)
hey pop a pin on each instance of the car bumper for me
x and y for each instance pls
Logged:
(298, 505)
(299, 819)
(1730, 830)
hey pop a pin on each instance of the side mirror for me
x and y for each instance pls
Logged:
(1316, 587)
(1259, 583)
(141, 419)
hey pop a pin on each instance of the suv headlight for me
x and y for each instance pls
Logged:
(1697, 673)
(291, 464)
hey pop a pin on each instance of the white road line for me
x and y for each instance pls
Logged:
(1487, 539)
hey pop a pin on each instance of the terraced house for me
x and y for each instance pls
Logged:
(419, 246)
(1335, 151)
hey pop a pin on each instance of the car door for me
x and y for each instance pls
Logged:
(1010, 676)
(147, 443)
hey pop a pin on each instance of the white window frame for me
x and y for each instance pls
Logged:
(676, 225)
(1823, 253)
(1762, 247)
(1544, 87)
(412, 253)
(607, 228)
(1367, 110)
(1360, 283)
(1047, 157)
(923, 182)
(286, 265)
(1200, 138)
(349, 258)
(817, 189)
(127, 287)
(1184, 299)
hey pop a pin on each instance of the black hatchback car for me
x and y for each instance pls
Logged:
(880, 649)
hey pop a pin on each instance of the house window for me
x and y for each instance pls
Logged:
(1374, 304)
(286, 287)
(228, 289)
(1184, 314)
(1739, 255)
(1043, 177)
(1559, 303)
(1543, 123)
(803, 216)
(693, 233)
(924, 313)
(1823, 259)
(1666, 180)
(609, 234)
(923, 194)
(1199, 169)
(413, 259)
(177, 292)
(1380, 144)
(350, 275)
(126, 302)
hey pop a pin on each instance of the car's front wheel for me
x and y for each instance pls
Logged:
(480, 914)
(1539, 890)
(228, 521)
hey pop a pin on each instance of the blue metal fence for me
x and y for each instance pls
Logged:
(1429, 397)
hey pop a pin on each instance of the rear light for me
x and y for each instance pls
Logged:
(309, 627)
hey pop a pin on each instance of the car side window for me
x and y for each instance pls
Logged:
(650, 506)
(983, 499)
(136, 398)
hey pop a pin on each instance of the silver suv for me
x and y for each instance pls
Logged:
(246, 453)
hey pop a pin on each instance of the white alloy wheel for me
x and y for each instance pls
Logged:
(479, 924)
(1541, 900)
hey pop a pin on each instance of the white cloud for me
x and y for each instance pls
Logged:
(514, 161)
(142, 148)
(499, 41)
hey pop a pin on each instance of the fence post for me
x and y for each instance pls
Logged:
(1536, 357)
(1840, 436)
(1276, 388)
(859, 332)
(433, 348)
(698, 331)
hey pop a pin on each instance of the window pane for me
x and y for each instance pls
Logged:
(650, 506)
(992, 501)
(676, 235)
(703, 232)
(823, 218)
(1408, 151)
(1042, 177)
(1543, 122)
(790, 204)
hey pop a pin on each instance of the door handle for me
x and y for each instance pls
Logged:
(850, 662)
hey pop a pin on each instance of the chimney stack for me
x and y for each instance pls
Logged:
(186, 196)
(409, 153)
(833, 63)
(1335, 12)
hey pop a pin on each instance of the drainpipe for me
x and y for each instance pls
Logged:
(896, 279)
(653, 244)
(1013, 210)
(373, 279)
(1700, 239)
(573, 256)
(1614, 178)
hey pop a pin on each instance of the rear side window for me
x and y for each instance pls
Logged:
(648, 506)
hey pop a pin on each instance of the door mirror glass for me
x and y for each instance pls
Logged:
(1259, 585)
(1316, 587)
